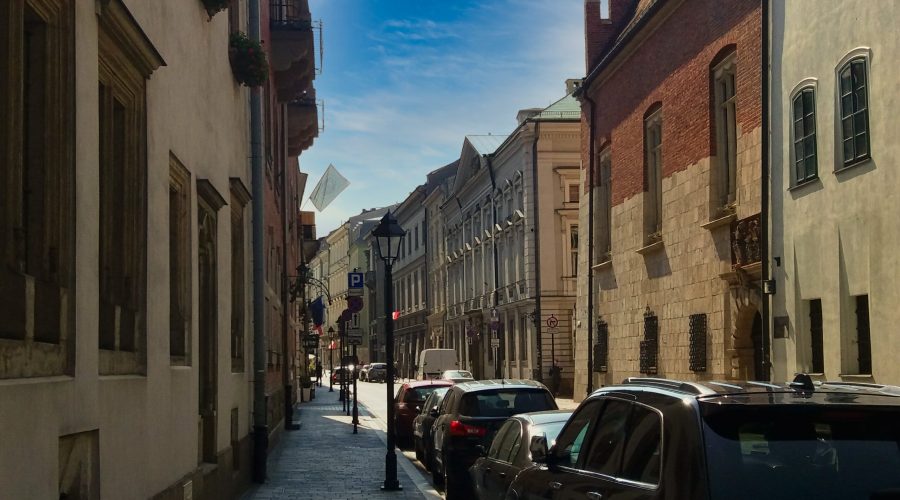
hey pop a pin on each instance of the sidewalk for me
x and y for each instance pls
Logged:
(325, 460)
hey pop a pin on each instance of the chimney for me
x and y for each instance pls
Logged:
(603, 21)
(572, 84)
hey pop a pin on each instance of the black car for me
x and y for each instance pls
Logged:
(422, 426)
(377, 372)
(469, 416)
(509, 452)
(664, 439)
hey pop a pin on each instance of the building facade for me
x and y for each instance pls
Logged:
(671, 154)
(832, 190)
(438, 185)
(410, 276)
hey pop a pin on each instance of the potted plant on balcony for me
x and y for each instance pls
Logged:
(248, 60)
(215, 6)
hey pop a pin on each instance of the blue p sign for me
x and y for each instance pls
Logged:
(354, 280)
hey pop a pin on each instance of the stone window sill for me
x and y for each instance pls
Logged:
(858, 376)
(800, 185)
(650, 248)
(721, 221)
(851, 166)
(603, 265)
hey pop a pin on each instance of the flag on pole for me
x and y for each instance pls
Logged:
(329, 187)
(395, 315)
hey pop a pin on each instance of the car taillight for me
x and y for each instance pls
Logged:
(458, 428)
(401, 406)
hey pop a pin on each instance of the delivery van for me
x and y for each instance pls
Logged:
(433, 362)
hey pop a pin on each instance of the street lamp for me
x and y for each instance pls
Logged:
(331, 359)
(388, 240)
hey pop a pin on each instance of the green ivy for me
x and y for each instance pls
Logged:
(248, 60)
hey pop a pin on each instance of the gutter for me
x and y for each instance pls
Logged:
(590, 260)
(495, 295)
(539, 352)
(765, 209)
(260, 424)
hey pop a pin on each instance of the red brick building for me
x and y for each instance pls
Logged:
(671, 115)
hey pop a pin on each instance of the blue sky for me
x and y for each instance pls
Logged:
(405, 80)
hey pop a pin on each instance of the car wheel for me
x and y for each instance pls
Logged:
(437, 477)
(418, 447)
(451, 490)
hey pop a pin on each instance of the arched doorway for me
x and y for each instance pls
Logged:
(746, 351)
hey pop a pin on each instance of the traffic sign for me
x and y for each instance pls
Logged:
(354, 340)
(552, 322)
(495, 343)
(311, 341)
(354, 304)
(354, 336)
(355, 280)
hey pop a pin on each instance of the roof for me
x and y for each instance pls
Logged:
(566, 109)
(486, 144)
(545, 417)
(427, 383)
(480, 385)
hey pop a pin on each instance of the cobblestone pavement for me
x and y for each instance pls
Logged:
(325, 460)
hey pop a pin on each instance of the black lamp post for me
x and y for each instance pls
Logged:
(331, 359)
(388, 239)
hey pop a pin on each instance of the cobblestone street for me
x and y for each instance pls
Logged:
(325, 460)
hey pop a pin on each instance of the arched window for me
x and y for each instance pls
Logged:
(854, 110)
(804, 135)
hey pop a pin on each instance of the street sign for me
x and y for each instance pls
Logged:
(355, 280)
(354, 336)
(552, 322)
(495, 343)
(354, 340)
(354, 304)
(553, 330)
(311, 341)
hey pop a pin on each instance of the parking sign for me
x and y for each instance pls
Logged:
(355, 280)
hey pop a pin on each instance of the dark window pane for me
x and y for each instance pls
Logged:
(859, 74)
(798, 107)
(845, 81)
(860, 99)
(848, 150)
(798, 152)
(860, 124)
(798, 129)
(811, 167)
(862, 145)
(571, 439)
(847, 128)
(608, 440)
(846, 105)
(810, 146)
(809, 124)
(808, 101)
(642, 452)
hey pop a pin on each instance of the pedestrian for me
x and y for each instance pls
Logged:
(555, 378)
(319, 373)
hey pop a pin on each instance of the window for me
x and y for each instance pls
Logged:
(179, 261)
(573, 249)
(497, 443)
(804, 118)
(642, 459)
(571, 440)
(854, 111)
(510, 334)
(423, 232)
(510, 445)
(37, 167)
(653, 175)
(815, 336)
(240, 196)
(608, 440)
(417, 237)
(125, 61)
(605, 218)
(863, 338)
(523, 339)
(573, 193)
(726, 130)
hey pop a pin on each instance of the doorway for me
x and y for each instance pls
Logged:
(207, 368)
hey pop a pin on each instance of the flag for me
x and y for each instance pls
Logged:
(317, 311)
(329, 187)
(395, 315)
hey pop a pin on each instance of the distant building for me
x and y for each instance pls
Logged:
(410, 275)
(671, 106)
(834, 179)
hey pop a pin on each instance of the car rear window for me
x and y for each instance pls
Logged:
(505, 402)
(418, 394)
(803, 452)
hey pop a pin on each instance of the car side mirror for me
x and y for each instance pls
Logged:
(538, 448)
(418, 409)
(481, 451)
(433, 412)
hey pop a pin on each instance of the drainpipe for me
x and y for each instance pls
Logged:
(286, 305)
(765, 209)
(260, 424)
(539, 351)
(590, 249)
(494, 295)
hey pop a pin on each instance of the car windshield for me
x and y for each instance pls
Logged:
(377, 365)
(505, 402)
(457, 374)
(803, 452)
(418, 394)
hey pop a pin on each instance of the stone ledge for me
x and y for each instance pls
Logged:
(607, 264)
(721, 221)
(650, 248)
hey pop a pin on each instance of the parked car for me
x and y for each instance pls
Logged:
(422, 441)
(457, 376)
(377, 372)
(336, 374)
(364, 372)
(509, 452)
(407, 404)
(469, 416)
(655, 439)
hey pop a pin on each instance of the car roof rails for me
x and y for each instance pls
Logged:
(891, 390)
(677, 385)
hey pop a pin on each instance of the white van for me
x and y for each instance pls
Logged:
(433, 362)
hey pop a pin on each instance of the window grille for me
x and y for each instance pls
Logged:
(650, 344)
(815, 333)
(601, 347)
(698, 324)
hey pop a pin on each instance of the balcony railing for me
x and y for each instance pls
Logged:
(290, 14)
(745, 241)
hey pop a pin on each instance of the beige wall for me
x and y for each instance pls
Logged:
(836, 237)
(148, 433)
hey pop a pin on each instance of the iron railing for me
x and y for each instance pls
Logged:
(650, 344)
(289, 14)
(601, 347)
(698, 328)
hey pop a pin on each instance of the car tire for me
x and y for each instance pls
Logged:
(437, 477)
(418, 446)
(451, 490)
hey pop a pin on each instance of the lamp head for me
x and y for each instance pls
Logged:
(388, 238)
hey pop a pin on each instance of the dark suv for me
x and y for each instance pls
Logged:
(656, 438)
(467, 420)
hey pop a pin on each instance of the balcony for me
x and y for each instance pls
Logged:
(293, 56)
(302, 124)
(745, 242)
